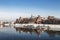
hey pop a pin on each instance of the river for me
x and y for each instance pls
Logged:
(11, 33)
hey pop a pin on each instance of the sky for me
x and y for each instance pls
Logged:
(12, 9)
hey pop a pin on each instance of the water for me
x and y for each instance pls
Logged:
(10, 33)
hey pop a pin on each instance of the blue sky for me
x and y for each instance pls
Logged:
(11, 9)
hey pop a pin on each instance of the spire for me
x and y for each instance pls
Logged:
(32, 16)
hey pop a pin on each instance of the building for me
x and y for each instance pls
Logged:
(38, 20)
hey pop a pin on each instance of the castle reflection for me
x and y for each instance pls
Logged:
(38, 32)
(50, 33)
(53, 33)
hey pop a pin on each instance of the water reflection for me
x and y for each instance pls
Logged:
(9, 33)
(53, 33)
(42, 35)
(28, 31)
